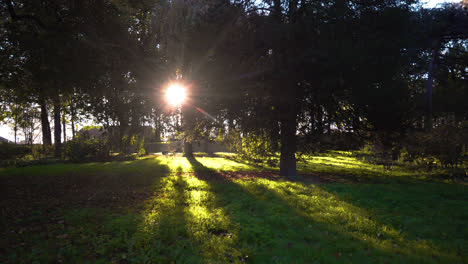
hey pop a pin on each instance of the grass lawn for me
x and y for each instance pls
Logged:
(162, 209)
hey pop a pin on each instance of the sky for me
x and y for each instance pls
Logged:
(7, 132)
(433, 3)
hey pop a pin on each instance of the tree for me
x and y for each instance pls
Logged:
(443, 26)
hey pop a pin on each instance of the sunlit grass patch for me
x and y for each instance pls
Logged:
(184, 215)
(182, 164)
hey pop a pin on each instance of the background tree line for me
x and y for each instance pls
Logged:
(266, 76)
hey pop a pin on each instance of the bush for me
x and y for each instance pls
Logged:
(445, 144)
(9, 151)
(379, 154)
(141, 147)
(84, 148)
(42, 151)
(131, 144)
(256, 147)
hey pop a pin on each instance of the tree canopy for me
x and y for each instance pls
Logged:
(282, 73)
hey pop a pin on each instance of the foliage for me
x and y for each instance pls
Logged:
(268, 69)
(42, 151)
(141, 147)
(445, 144)
(231, 140)
(125, 145)
(13, 155)
(257, 146)
(331, 141)
(85, 148)
(10, 151)
(132, 144)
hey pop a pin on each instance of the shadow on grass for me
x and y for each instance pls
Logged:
(430, 213)
(257, 165)
(213, 217)
(163, 235)
(280, 221)
(80, 215)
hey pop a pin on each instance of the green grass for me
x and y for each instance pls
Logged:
(204, 210)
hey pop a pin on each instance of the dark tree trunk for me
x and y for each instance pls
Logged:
(157, 128)
(288, 118)
(46, 133)
(72, 117)
(287, 97)
(188, 149)
(288, 146)
(64, 123)
(188, 124)
(429, 84)
(123, 130)
(57, 127)
(73, 127)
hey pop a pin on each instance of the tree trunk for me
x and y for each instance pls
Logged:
(64, 130)
(46, 133)
(64, 123)
(72, 117)
(429, 84)
(288, 118)
(188, 149)
(288, 102)
(188, 124)
(57, 127)
(73, 127)
(157, 128)
(288, 146)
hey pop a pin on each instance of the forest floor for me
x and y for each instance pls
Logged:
(222, 209)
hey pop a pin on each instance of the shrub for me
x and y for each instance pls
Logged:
(446, 144)
(141, 147)
(42, 151)
(85, 148)
(9, 151)
(257, 146)
(130, 144)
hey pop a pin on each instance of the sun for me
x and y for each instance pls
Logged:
(175, 94)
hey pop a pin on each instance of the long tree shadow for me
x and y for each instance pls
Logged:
(255, 165)
(279, 221)
(431, 213)
(91, 214)
(163, 235)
